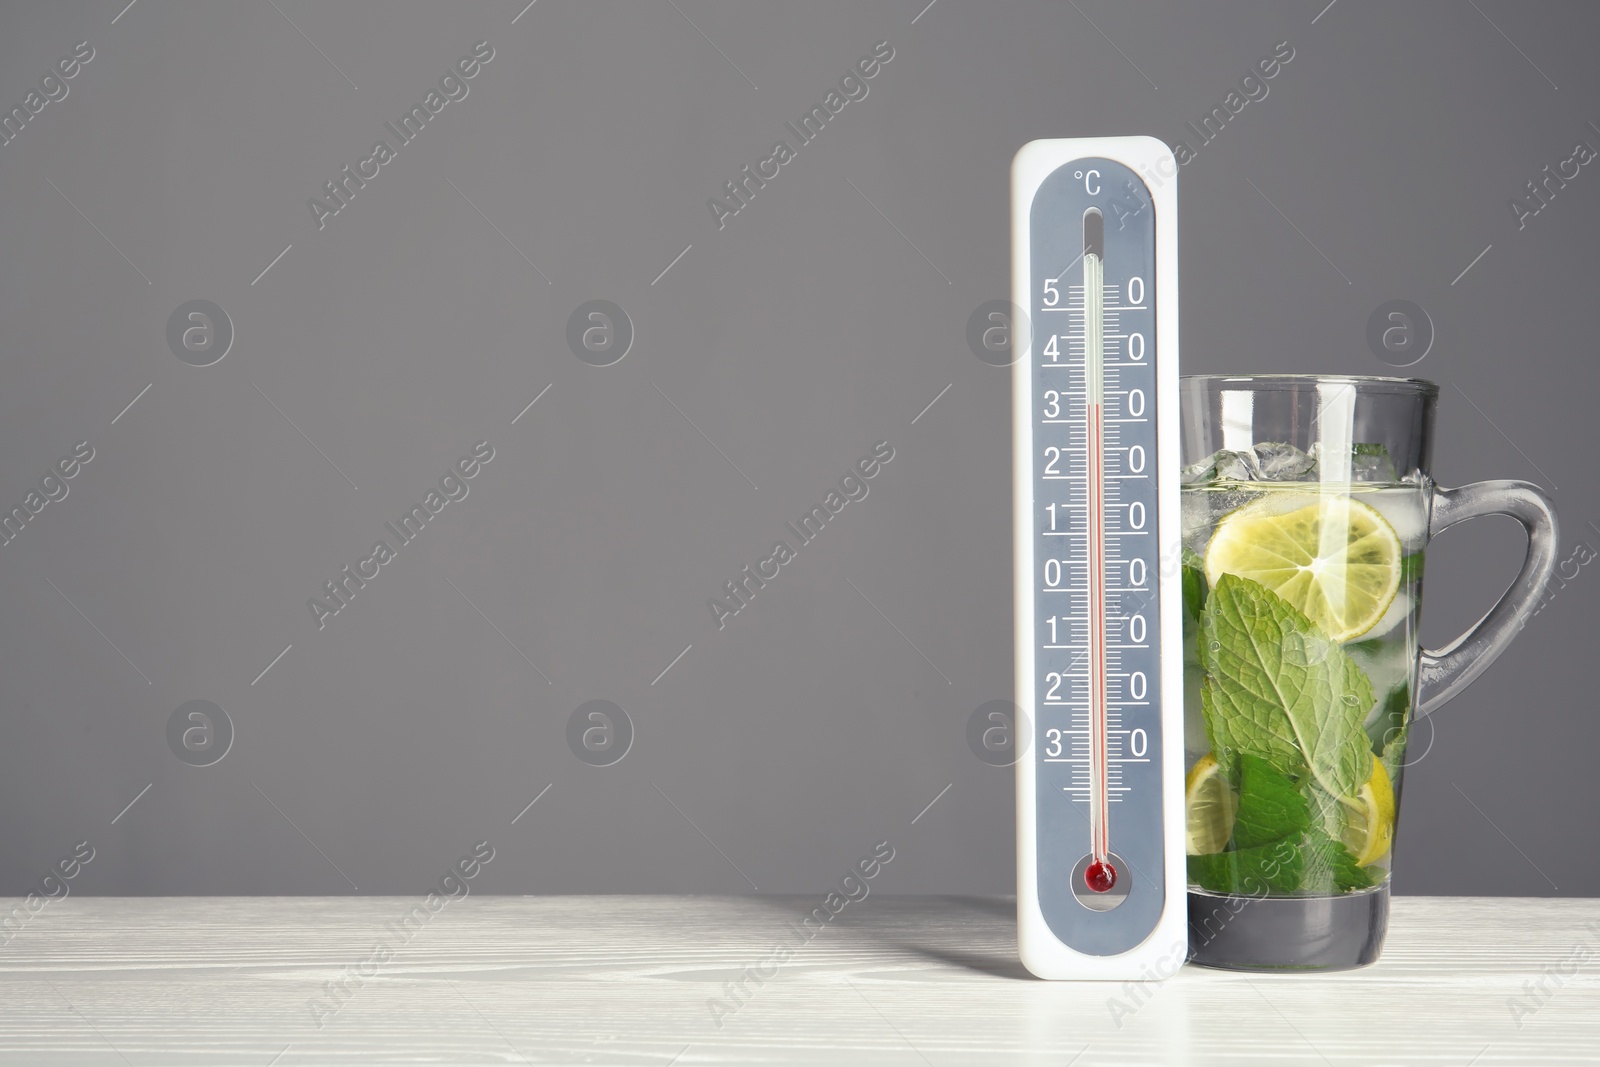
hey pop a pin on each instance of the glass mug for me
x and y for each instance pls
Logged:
(1307, 505)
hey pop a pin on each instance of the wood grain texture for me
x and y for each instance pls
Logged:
(633, 980)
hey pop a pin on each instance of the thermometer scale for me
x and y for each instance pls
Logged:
(1101, 882)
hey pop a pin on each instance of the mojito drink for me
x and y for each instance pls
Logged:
(1301, 602)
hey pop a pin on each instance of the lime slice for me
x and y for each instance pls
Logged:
(1336, 560)
(1211, 806)
(1369, 818)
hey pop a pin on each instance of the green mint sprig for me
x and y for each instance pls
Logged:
(1277, 688)
(1280, 844)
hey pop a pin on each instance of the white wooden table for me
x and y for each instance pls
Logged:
(632, 980)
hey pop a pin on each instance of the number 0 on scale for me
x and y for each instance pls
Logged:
(1101, 885)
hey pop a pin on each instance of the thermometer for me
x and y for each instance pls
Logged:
(1101, 881)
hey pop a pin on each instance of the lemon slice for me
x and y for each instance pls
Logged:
(1336, 560)
(1211, 806)
(1369, 822)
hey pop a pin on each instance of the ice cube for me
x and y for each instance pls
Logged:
(1236, 467)
(1279, 462)
(1369, 462)
(1199, 473)
(1220, 466)
(1405, 509)
(1197, 515)
(1385, 652)
(1399, 612)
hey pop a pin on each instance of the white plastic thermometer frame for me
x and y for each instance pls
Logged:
(1165, 949)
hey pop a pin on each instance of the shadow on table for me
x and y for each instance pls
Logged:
(995, 920)
(975, 933)
(1007, 966)
(972, 933)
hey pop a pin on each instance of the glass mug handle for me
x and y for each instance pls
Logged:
(1444, 673)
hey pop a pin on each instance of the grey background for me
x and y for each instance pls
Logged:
(776, 751)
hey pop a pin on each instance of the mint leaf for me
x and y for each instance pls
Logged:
(1327, 815)
(1194, 585)
(1329, 867)
(1307, 864)
(1371, 463)
(1393, 756)
(1254, 872)
(1233, 735)
(1285, 840)
(1276, 687)
(1390, 721)
(1271, 806)
(1411, 566)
